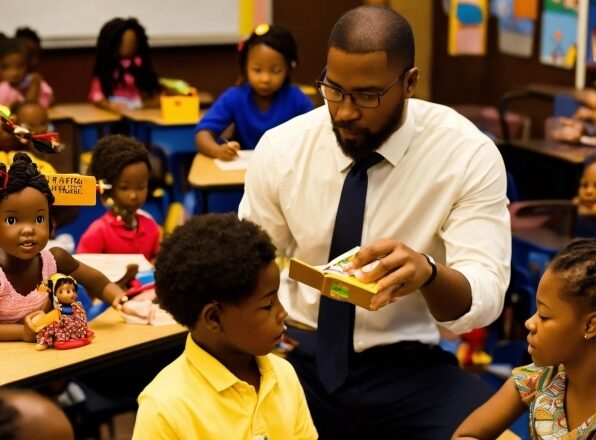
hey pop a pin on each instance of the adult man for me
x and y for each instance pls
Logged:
(439, 189)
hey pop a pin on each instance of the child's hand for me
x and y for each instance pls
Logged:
(228, 151)
(29, 334)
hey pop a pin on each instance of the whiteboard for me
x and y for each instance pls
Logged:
(76, 23)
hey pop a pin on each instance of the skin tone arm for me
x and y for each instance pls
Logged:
(401, 271)
(205, 142)
(33, 87)
(493, 417)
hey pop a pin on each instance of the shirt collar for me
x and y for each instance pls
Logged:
(217, 374)
(392, 149)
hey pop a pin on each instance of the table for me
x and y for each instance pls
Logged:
(92, 122)
(545, 169)
(174, 139)
(205, 176)
(114, 342)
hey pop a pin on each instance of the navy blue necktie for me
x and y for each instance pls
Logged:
(336, 318)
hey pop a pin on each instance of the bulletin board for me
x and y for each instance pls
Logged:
(76, 23)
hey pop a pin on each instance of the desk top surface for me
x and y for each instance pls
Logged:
(572, 153)
(153, 116)
(114, 339)
(554, 90)
(82, 113)
(205, 174)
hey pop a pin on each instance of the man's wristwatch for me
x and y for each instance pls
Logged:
(433, 266)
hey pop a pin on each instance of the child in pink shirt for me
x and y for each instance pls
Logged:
(16, 84)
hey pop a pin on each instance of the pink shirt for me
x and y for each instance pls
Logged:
(107, 235)
(126, 88)
(14, 306)
(9, 95)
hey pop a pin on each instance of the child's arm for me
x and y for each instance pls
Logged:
(19, 332)
(494, 416)
(32, 87)
(206, 144)
(96, 283)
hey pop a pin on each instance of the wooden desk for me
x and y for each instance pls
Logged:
(571, 153)
(92, 122)
(174, 139)
(551, 91)
(206, 176)
(114, 342)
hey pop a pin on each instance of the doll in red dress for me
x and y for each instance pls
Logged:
(66, 325)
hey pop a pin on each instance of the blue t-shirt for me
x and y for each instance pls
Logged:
(237, 105)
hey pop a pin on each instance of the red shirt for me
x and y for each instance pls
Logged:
(107, 235)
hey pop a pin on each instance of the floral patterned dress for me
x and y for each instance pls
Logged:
(70, 327)
(543, 390)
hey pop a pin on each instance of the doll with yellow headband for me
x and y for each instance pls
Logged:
(66, 325)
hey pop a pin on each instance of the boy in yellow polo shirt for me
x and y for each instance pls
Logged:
(217, 275)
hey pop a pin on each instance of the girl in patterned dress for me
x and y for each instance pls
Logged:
(559, 388)
(72, 322)
(25, 206)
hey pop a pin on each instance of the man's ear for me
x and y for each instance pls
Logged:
(210, 315)
(590, 326)
(411, 80)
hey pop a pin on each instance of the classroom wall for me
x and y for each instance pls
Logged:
(211, 67)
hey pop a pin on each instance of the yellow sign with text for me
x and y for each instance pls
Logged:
(73, 189)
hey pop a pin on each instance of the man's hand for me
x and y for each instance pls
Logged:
(397, 270)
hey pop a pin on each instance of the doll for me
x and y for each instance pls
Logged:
(65, 326)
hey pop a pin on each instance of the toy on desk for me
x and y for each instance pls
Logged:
(471, 350)
(65, 326)
(44, 143)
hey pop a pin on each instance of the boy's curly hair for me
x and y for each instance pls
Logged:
(115, 152)
(23, 173)
(576, 265)
(212, 257)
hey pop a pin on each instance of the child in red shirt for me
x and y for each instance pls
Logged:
(123, 163)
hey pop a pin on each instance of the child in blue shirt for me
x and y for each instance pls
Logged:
(264, 100)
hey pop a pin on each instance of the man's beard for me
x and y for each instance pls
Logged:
(370, 141)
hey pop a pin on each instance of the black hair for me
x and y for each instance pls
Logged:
(28, 34)
(211, 257)
(107, 62)
(23, 173)
(576, 265)
(113, 153)
(9, 418)
(277, 38)
(367, 29)
(9, 46)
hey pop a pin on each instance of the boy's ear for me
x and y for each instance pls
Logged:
(210, 317)
(590, 326)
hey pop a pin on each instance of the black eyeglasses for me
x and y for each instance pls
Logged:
(361, 99)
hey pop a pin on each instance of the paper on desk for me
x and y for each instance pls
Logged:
(240, 163)
(113, 266)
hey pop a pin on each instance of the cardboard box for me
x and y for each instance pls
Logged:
(331, 282)
(181, 109)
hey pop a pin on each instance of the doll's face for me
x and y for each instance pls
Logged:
(587, 187)
(128, 44)
(24, 223)
(266, 70)
(130, 188)
(13, 67)
(66, 293)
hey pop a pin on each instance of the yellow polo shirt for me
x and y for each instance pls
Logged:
(196, 397)
(43, 166)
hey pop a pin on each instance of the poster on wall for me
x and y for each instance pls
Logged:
(516, 26)
(467, 27)
(591, 47)
(558, 44)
